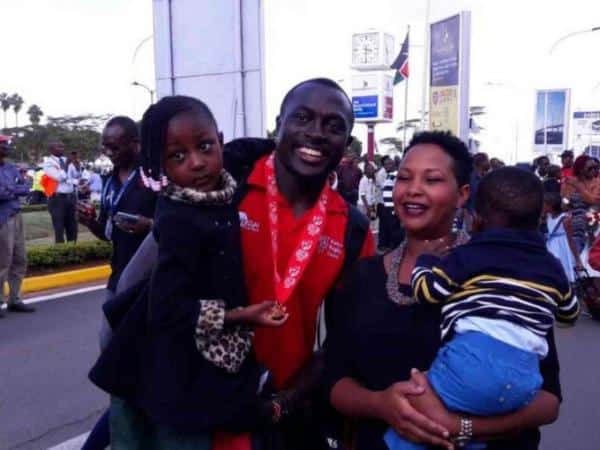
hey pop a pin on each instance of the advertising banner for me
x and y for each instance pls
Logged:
(551, 126)
(373, 97)
(449, 75)
(586, 130)
(365, 107)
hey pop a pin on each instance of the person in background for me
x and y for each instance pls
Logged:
(61, 204)
(481, 166)
(387, 171)
(37, 191)
(496, 163)
(123, 192)
(552, 181)
(541, 165)
(394, 232)
(349, 176)
(567, 159)
(579, 194)
(95, 186)
(13, 258)
(559, 239)
(367, 194)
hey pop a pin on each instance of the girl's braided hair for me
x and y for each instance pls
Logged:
(155, 123)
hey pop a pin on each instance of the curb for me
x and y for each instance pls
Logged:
(61, 279)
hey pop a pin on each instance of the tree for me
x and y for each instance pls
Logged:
(4, 104)
(17, 103)
(35, 113)
(79, 133)
(355, 147)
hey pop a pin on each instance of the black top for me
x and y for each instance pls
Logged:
(377, 342)
(551, 185)
(137, 199)
(152, 360)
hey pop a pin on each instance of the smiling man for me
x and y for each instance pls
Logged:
(292, 217)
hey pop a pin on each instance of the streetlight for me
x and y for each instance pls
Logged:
(135, 83)
(570, 35)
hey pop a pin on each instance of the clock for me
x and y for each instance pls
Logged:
(365, 49)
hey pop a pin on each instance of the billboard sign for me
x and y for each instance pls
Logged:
(551, 126)
(449, 75)
(585, 130)
(373, 97)
(365, 107)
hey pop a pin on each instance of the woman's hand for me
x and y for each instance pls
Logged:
(394, 408)
(265, 314)
(431, 403)
(439, 247)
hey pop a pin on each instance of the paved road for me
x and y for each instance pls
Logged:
(45, 397)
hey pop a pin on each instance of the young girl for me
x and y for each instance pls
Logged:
(182, 354)
(559, 240)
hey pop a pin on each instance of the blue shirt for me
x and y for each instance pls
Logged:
(12, 185)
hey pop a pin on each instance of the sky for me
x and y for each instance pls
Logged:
(77, 56)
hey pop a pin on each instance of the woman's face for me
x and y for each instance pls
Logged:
(590, 170)
(427, 193)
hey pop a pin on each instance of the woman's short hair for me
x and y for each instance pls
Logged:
(453, 147)
(579, 164)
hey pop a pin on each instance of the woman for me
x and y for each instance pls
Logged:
(380, 334)
(580, 193)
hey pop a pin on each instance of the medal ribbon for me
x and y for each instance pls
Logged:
(307, 244)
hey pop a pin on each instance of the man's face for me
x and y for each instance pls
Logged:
(567, 161)
(57, 148)
(485, 166)
(543, 164)
(313, 130)
(389, 165)
(120, 148)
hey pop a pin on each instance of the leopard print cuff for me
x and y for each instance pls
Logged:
(226, 348)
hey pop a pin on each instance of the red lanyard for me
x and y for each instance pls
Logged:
(307, 244)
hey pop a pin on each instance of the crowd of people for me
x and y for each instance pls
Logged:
(250, 308)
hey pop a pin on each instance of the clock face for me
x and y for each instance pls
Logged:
(365, 48)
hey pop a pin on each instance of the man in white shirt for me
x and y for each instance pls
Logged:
(367, 192)
(61, 205)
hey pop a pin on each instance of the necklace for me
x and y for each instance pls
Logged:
(392, 285)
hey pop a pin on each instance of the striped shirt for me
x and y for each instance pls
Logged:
(388, 189)
(501, 274)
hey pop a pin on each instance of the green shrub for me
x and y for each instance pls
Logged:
(34, 208)
(60, 255)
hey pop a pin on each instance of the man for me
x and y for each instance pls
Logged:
(566, 159)
(290, 215)
(13, 258)
(541, 167)
(61, 204)
(367, 192)
(349, 175)
(386, 216)
(481, 166)
(123, 192)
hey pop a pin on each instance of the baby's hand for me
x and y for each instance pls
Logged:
(266, 314)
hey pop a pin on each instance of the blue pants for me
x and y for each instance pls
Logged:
(479, 375)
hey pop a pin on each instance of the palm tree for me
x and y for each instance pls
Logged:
(4, 104)
(35, 113)
(17, 103)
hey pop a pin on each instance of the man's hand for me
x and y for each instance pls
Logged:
(395, 409)
(141, 226)
(86, 215)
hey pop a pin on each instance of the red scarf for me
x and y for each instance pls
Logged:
(307, 244)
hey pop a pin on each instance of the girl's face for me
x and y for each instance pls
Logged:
(193, 156)
(427, 193)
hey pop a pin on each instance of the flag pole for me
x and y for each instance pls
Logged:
(425, 65)
(404, 144)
